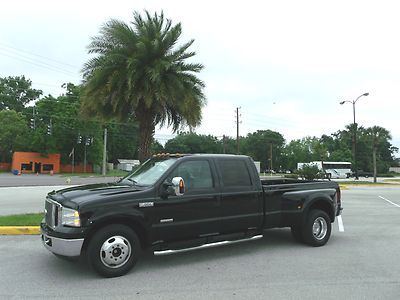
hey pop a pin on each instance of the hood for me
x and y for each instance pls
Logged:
(78, 195)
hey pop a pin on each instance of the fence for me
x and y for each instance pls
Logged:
(77, 168)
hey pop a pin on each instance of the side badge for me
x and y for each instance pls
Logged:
(146, 204)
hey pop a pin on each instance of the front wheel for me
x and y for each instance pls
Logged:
(113, 250)
(317, 229)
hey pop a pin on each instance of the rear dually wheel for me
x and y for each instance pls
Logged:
(317, 228)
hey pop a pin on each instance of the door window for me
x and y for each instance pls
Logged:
(196, 174)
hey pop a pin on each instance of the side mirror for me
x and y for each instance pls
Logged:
(178, 185)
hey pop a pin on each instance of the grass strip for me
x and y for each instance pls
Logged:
(113, 173)
(362, 183)
(22, 220)
(392, 180)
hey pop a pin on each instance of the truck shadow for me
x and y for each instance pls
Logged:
(273, 240)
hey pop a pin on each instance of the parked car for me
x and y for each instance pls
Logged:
(180, 201)
(362, 173)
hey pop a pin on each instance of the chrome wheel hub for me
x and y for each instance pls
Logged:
(115, 252)
(320, 228)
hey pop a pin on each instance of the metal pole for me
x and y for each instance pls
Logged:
(84, 157)
(355, 139)
(104, 153)
(270, 156)
(73, 159)
(355, 132)
(34, 121)
(237, 129)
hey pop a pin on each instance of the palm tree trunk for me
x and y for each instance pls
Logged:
(374, 161)
(146, 133)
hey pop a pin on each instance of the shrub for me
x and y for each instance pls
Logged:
(294, 176)
(310, 172)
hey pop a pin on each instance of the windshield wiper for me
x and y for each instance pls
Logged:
(133, 181)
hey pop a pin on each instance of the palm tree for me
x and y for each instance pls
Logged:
(378, 135)
(140, 72)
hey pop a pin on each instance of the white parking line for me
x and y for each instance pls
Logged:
(340, 223)
(389, 201)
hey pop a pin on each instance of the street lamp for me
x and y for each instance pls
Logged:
(354, 130)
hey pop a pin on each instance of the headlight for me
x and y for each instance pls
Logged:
(70, 217)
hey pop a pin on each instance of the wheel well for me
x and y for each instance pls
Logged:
(324, 206)
(134, 225)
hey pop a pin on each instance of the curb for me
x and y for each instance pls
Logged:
(19, 230)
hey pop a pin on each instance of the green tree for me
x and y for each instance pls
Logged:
(193, 143)
(378, 136)
(16, 92)
(310, 172)
(295, 152)
(156, 147)
(13, 133)
(59, 125)
(229, 145)
(140, 72)
(122, 141)
(263, 145)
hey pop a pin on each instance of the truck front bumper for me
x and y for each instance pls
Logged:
(65, 247)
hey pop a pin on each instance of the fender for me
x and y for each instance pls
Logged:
(322, 199)
(129, 216)
(305, 200)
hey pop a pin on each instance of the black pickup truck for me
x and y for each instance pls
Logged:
(179, 201)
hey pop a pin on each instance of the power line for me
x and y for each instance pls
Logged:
(40, 64)
(37, 55)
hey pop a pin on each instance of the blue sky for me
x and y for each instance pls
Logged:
(287, 64)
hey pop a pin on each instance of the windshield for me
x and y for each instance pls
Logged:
(149, 172)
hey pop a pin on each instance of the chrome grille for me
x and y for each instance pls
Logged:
(52, 209)
(49, 207)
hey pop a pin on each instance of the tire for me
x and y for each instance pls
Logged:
(297, 234)
(113, 250)
(317, 228)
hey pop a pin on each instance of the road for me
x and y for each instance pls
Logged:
(26, 193)
(9, 180)
(19, 200)
(359, 263)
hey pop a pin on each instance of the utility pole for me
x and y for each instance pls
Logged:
(270, 156)
(84, 155)
(73, 159)
(237, 129)
(104, 153)
(223, 144)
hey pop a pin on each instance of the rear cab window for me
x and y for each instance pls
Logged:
(234, 173)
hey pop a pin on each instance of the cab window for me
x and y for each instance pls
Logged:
(234, 173)
(196, 174)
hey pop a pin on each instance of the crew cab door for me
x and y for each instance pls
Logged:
(241, 195)
(193, 214)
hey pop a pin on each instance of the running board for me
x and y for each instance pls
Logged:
(210, 245)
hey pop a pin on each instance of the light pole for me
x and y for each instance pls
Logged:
(354, 130)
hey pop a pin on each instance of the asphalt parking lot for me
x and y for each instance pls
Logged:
(9, 180)
(359, 263)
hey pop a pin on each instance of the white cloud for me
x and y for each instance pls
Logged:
(304, 56)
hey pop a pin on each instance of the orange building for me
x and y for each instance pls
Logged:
(33, 162)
